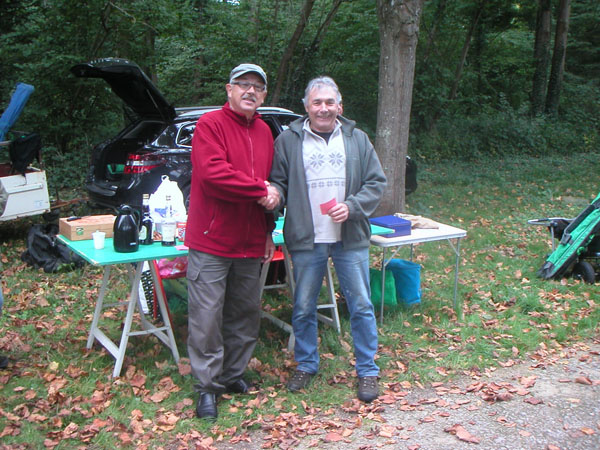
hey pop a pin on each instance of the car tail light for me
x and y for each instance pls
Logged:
(142, 162)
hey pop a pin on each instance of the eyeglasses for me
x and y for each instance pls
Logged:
(246, 85)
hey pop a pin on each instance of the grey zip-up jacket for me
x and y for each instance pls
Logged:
(365, 183)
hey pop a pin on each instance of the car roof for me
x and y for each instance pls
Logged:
(191, 112)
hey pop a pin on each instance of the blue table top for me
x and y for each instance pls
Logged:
(278, 231)
(108, 255)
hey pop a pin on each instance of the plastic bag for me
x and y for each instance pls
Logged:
(407, 275)
(173, 268)
(390, 289)
(158, 201)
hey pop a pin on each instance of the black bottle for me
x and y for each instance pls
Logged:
(147, 225)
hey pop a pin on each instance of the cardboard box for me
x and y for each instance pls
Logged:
(82, 228)
(400, 226)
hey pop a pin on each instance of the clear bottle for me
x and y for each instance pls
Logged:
(147, 225)
(169, 225)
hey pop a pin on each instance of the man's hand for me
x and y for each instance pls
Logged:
(339, 213)
(271, 200)
(269, 249)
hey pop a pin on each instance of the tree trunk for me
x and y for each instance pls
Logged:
(461, 62)
(271, 58)
(558, 57)
(310, 51)
(465, 51)
(322, 31)
(541, 56)
(438, 17)
(399, 33)
(289, 51)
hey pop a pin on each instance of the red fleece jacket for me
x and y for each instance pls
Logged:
(231, 159)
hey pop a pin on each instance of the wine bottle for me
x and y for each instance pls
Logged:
(169, 225)
(147, 225)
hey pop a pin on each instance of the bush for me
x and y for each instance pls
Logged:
(502, 133)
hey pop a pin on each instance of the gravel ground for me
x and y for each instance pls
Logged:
(553, 403)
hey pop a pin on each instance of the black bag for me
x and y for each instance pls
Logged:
(46, 251)
(24, 150)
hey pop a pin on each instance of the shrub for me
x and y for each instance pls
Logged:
(502, 133)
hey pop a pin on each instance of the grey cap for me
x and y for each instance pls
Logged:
(247, 68)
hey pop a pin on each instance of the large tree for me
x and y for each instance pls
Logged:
(541, 56)
(558, 57)
(399, 33)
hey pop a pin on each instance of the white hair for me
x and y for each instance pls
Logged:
(318, 83)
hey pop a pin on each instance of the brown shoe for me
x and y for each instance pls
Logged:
(299, 380)
(368, 389)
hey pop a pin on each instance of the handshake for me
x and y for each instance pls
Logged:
(271, 200)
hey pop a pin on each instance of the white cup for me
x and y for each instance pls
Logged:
(98, 237)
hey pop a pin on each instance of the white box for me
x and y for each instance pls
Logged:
(27, 194)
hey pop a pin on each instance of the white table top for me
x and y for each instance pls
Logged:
(418, 235)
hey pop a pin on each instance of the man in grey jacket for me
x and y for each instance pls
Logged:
(329, 177)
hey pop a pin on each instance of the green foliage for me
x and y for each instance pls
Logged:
(189, 47)
(502, 133)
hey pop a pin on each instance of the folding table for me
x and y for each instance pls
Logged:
(417, 236)
(107, 257)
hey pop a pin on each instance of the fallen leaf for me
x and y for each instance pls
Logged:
(333, 437)
(528, 381)
(461, 433)
(583, 380)
(159, 396)
(125, 438)
(184, 369)
(534, 401)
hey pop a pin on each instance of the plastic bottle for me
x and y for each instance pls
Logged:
(147, 225)
(169, 225)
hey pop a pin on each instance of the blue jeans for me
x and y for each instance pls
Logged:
(352, 269)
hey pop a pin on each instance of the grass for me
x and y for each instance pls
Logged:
(57, 394)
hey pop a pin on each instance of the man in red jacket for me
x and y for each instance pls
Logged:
(229, 235)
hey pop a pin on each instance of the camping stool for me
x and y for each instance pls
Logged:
(281, 254)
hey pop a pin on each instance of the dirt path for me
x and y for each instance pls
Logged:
(545, 403)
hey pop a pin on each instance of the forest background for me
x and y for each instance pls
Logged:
(474, 68)
(474, 132)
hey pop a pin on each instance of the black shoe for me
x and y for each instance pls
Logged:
(240, 386)
(3, 362)
(299, 380)
(206, 408)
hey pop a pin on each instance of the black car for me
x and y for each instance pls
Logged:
(158, 142)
